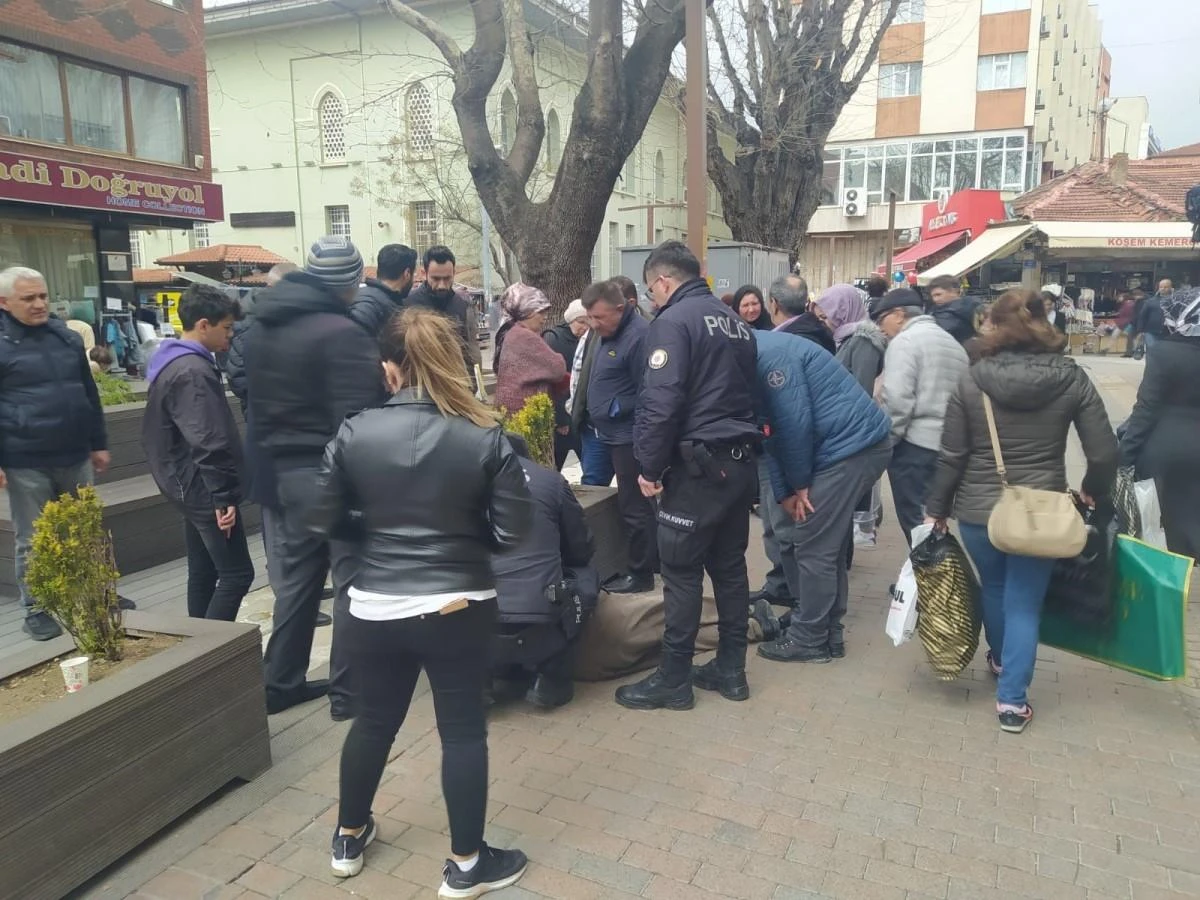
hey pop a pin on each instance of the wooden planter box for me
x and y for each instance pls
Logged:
(87, 778)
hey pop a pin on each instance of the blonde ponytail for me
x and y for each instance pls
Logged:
(428, 350)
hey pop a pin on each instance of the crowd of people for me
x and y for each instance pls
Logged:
(452, 552)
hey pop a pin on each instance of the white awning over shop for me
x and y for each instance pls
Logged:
(997, 241)
(1116, 235)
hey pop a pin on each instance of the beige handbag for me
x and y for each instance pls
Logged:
(1028, 521)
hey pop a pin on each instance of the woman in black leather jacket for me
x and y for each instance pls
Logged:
(439, 490)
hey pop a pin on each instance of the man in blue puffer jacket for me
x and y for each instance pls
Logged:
(827, 443)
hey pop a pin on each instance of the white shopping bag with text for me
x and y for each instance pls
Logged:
(902, 617)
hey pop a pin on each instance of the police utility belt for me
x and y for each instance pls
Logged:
(701, 460)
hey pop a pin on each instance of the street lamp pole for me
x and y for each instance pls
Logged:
(697, 131)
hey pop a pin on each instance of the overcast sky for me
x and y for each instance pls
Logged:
(1155, 45)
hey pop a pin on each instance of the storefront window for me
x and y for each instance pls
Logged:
(920, 179)
(831, 179)
(991, 172)
(34, 106)
(919, 170)
(966, 162)
(895, 171)
(97, 109)
(30, 95)
(64, 254)
(855, 171)
(157, 120)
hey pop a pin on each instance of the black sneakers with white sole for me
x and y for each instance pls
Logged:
(348, 850)
(495, 869)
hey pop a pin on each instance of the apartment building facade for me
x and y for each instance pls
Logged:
(994, 95)
(337, 118)
(103, 129)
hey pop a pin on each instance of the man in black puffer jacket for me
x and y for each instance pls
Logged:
(546, 587)
(52, 433)
(235, 359)
(957, 315)
(382, 296)
(308, 366)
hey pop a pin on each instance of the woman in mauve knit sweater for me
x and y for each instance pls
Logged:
(524, 364)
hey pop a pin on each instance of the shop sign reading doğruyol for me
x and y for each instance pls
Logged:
(34, 180)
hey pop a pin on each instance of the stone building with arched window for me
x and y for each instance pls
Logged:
(338, 118)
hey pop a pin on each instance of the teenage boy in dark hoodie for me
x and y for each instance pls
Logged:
(195, 452)
(382, 296)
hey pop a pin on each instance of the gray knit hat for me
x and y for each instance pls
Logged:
(335, 261)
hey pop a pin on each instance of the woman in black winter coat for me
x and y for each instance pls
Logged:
(439, 490)
(1161, 437)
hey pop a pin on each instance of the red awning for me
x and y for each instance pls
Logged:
(907, 260)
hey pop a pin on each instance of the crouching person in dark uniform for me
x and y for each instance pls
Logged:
(695, 439)
(546, 588)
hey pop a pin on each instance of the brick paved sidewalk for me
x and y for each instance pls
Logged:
(862, 779)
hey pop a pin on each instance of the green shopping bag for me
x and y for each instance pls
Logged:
(1150, 590)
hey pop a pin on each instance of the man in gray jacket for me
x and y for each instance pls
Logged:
(921, 368)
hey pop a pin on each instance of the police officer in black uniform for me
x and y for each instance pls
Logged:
(695, 439)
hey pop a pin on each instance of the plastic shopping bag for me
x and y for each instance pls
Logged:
(1124, 499)
(948, 620)
(902, 617)
(1080, 587)
(1149, 513)
(1147, 635)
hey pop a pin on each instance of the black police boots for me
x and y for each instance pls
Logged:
(729, 682)
(632, 583)
(550, 693)
(657, 691)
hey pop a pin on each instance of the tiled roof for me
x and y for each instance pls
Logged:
(153, 276)
(1154, 191)
(1174, 152)
(242, 254)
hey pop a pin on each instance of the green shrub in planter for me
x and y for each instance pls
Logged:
(535, 423)
(73, 574)
(114, 390)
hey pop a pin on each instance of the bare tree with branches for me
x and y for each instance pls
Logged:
(441, 178)
(782, 72)
(553, 237)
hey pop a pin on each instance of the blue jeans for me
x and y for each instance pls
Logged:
(1014, 588)
(596, 459)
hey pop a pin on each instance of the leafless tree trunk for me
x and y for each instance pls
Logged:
(553, 238)
(780, 74)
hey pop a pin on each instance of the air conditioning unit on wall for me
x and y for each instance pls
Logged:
(854, 203)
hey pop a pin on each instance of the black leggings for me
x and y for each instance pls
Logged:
(385, 659)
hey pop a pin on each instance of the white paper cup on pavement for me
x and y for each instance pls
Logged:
(75, 673)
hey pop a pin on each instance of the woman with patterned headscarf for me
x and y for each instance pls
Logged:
(1161, 437)
(524, 364)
